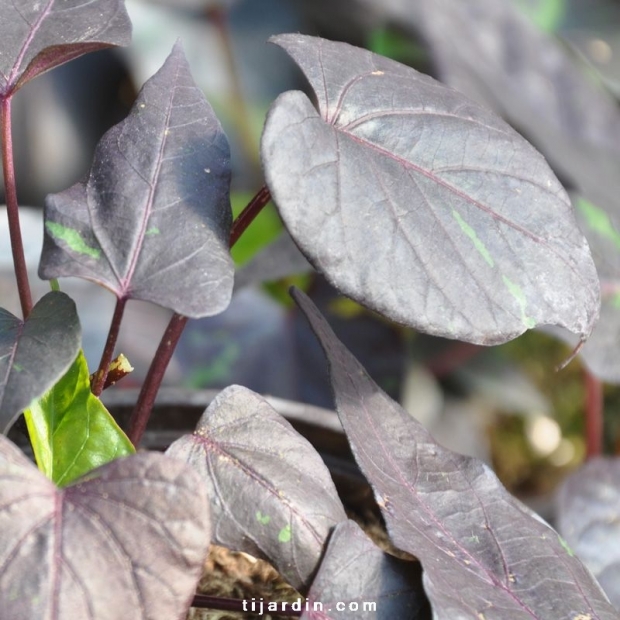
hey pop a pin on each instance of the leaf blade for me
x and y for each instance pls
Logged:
(152, 220)
(371, 576)
(71, 431)
(471, 211)
(35, 353)
(483, 552)
(38, 36)
(137, 527)
(587, 508)
(289, 503)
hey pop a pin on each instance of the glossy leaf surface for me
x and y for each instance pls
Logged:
(422, 205)
(587, 516)
(34, 354)
(153, 218)
(484, 554)
(272, 495)
(39, 35)
(355, 574)
(128, 542)
(70, 429)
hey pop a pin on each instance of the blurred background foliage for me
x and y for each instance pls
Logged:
(506, 404)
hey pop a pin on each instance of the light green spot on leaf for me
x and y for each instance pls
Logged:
(72, 238)
(565, 546)
(598, 221)
(471, 233)
(153, 231)
(615, 300)
(517, 292)
(261, 518)
(285, 534)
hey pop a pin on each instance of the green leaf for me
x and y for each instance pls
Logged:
(70, 429)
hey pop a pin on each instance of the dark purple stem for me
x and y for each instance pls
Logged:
(231, 604)
(108, 351)
(146, 399)
(247, 216)
(594, 415)
(12, 208)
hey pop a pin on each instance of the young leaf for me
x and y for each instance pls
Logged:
(128, 542)
(38, 36)
(272, 495)
(70, 429)
(369, 583)
(484, 554)
(587, 516)
(482, 240)
(34, 354)
(152, 220)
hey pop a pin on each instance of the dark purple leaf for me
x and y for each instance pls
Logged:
(152, 220)
(496, 55)
(36, 353)
(370, 584)
(588, 510)
(484, 554)
(128, 542)
(422, 205)
(39, 35)
(272, 495)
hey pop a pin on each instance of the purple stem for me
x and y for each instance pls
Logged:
(594, 415)
(12, 208)
(146, 399)
(108, 351)
(247, 216)
(141, 414)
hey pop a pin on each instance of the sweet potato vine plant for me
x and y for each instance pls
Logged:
(409, 198)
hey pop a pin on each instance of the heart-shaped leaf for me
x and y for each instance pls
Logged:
(70, 429)
(420, 204)
(272, 495)
(34, 354)
(358, 581)
(152, 221)
(40, 35)
(129, 542)
(484, 554)
(587, 516)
